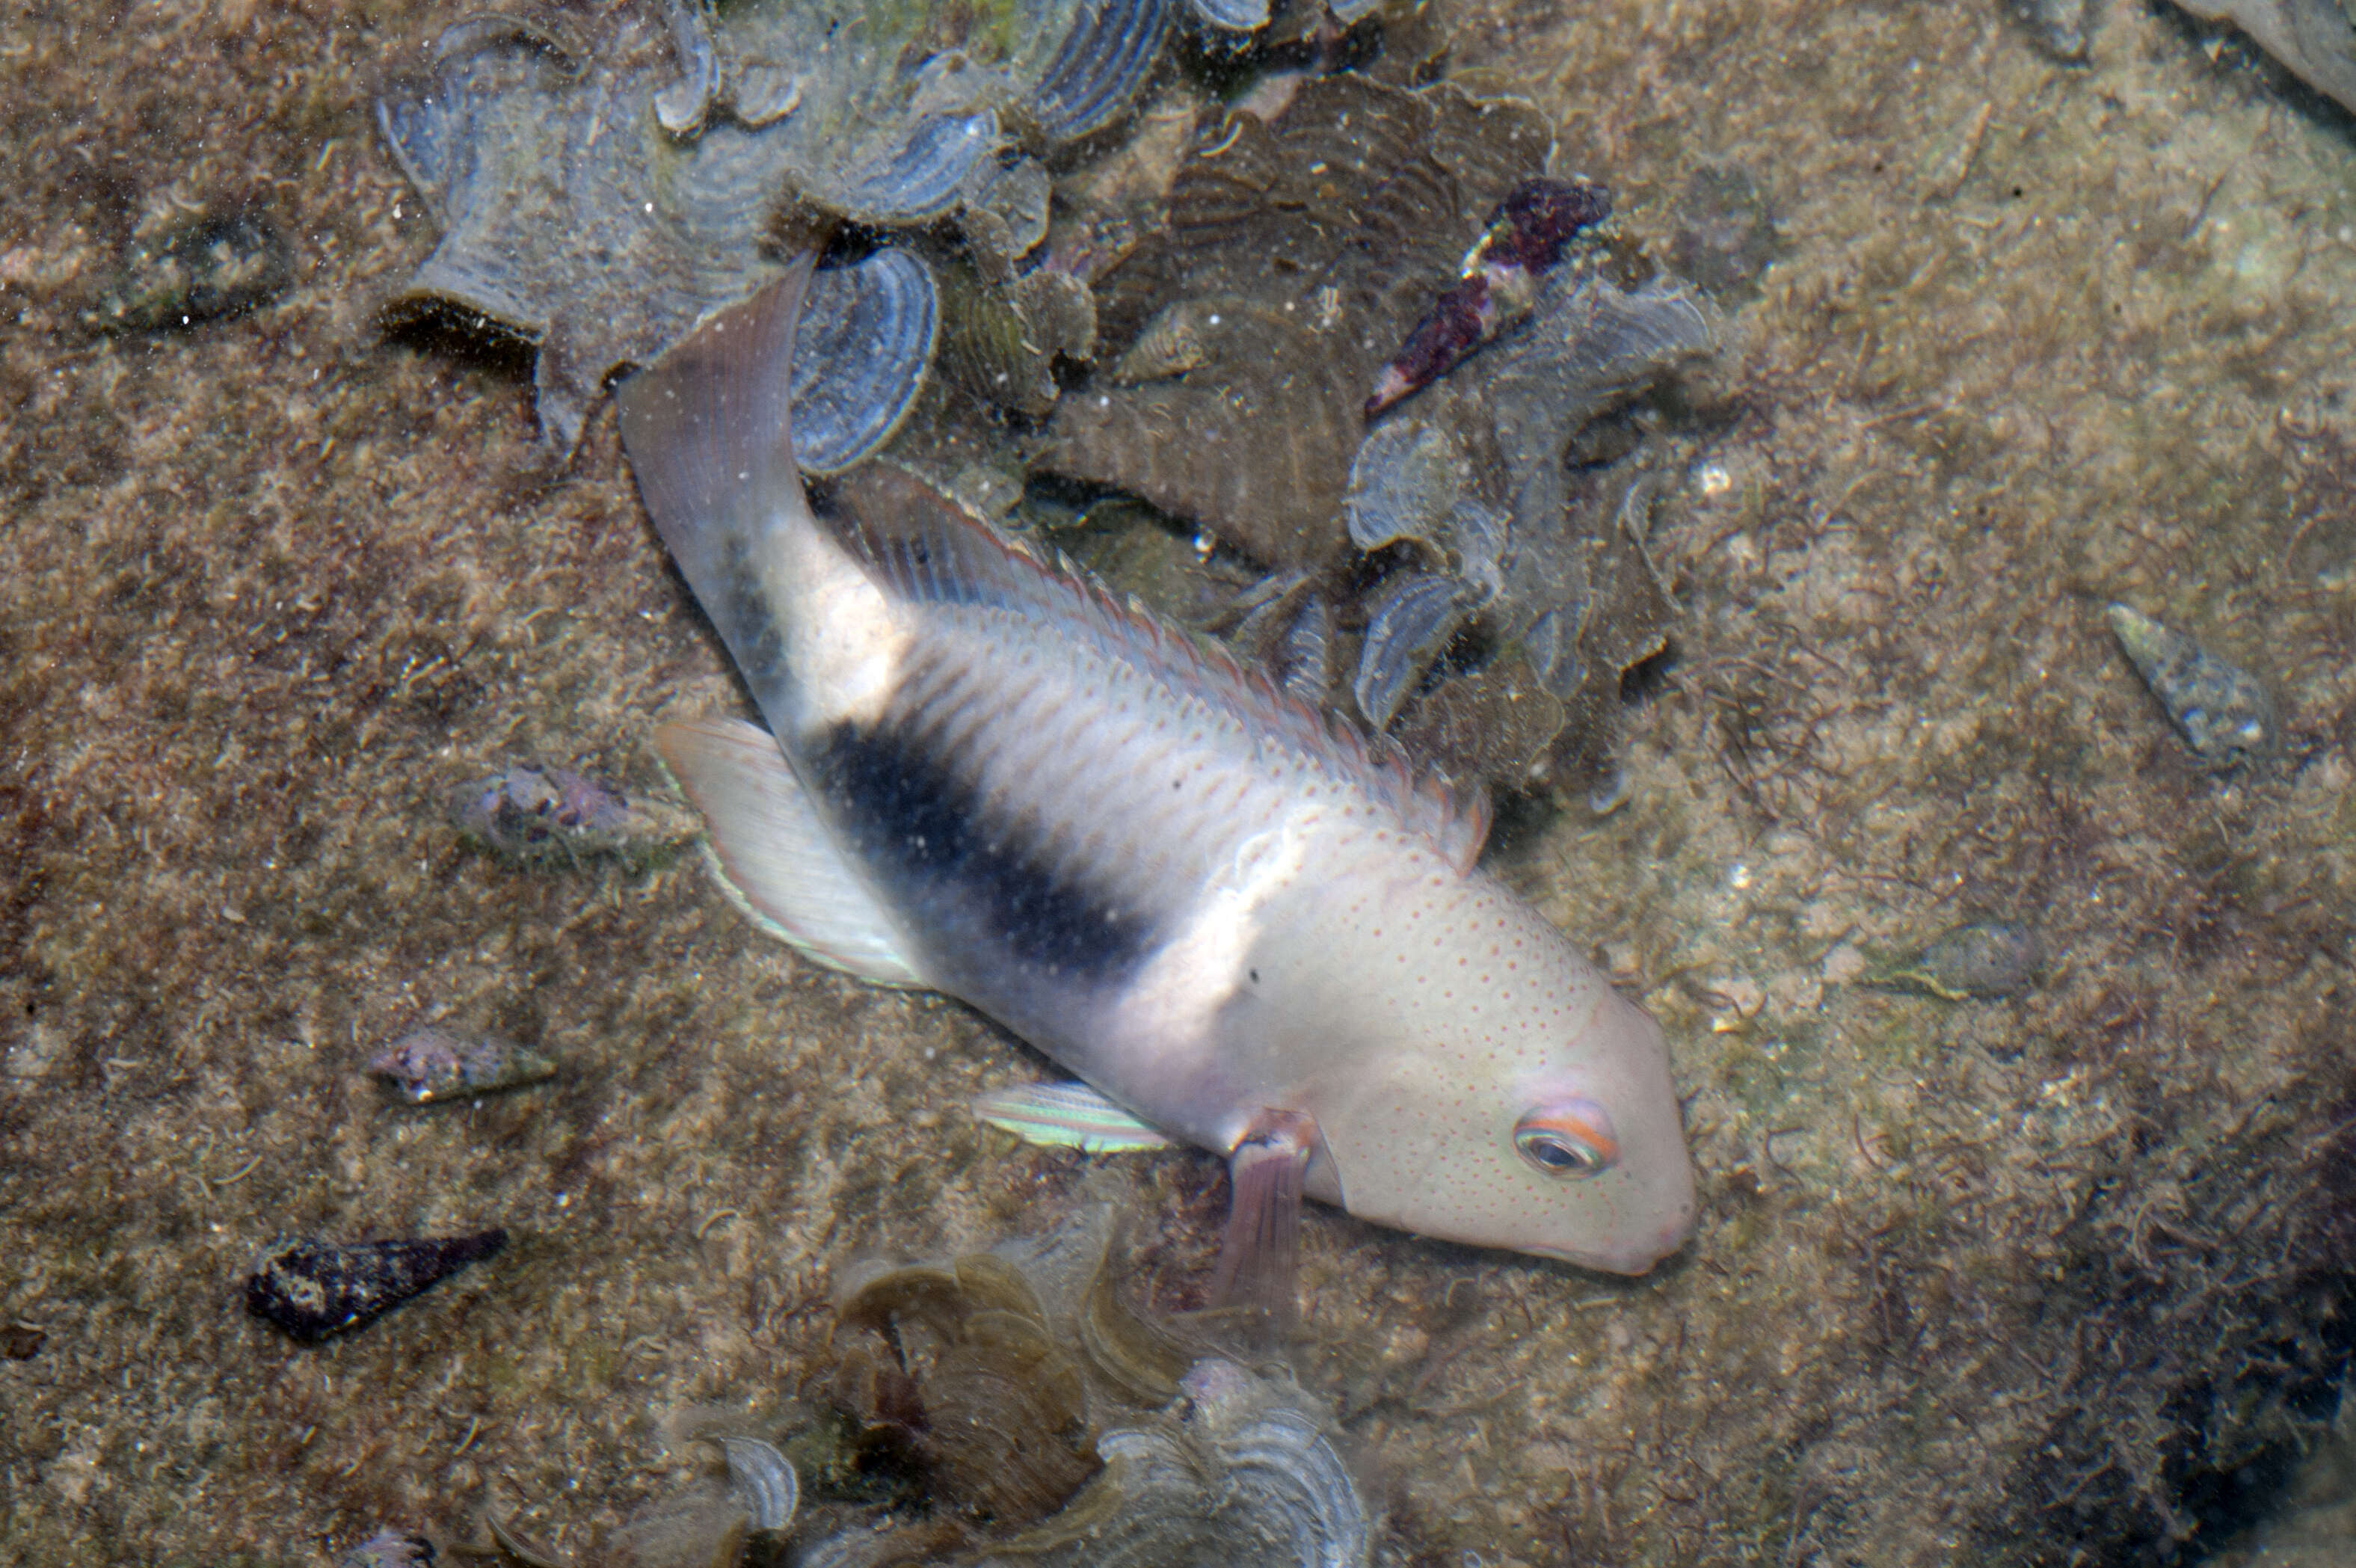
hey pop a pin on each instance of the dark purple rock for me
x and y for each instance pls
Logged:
(315, 1289)
(1538, 218)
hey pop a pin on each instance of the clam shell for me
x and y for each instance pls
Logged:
(1107, 51)
(1149, 1507)
(1288, 1489)
(1004, 215)
(863, 348)
(763, 1480)
(1230, 15)
(1246, 328)
(1284, 1493)
(899, 104)
(1588, 345)
(390, 1548)
(681, 107)
(1001, 1409)
(1253, 449)
(1138, 1360)
(1419, 612)
(1286, 626)
(1001, 342)
(1405, 483)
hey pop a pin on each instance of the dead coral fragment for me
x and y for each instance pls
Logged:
(1294, 255)
(2220, 709)
(599, 194)
(432, 1065)
(315, 1290)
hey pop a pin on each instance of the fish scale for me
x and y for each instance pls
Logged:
(1235, 924)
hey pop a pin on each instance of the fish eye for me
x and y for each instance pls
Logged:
(1571, 1139)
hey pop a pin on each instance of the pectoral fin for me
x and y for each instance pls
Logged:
(775, 858)
(1068, 1116)
(1259, 1259)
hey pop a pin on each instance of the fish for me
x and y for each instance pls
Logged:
(1237, 925)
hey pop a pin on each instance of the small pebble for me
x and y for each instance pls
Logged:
(435, 1064)
(1725, 229)
(2062, 29)
(390, 1548)
(2220, 709)
(315, 1289)
(208, 268)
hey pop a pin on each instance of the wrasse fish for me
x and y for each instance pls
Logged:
(1499, 282)
(1239, 927)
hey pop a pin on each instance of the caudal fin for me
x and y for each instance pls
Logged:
(710, 434)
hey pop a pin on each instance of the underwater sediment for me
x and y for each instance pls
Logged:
(2047, 1275)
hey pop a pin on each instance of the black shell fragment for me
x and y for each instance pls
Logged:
(315, 1290)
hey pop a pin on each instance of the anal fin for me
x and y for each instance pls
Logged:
(1068, 1116)
(1259, 1258)
(771, 852)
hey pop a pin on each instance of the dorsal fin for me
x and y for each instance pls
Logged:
(931, 549)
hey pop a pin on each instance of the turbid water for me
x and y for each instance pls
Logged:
(2054, 1276)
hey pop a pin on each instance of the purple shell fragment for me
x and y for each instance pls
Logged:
(553, 815)
(431, 1065)
(1524, 236)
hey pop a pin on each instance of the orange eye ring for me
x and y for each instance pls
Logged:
(1570, 1139)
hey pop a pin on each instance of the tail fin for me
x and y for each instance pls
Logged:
(709, 431)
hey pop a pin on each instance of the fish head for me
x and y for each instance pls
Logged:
(1506, 1096)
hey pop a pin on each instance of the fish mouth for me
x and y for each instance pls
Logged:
(1632, 1260)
